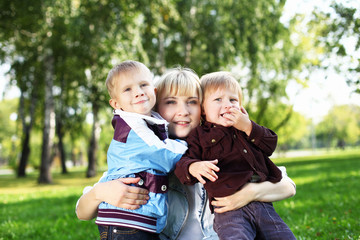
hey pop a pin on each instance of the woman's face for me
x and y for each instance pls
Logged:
(182, 113)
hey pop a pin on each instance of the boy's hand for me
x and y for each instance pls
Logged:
(240, 119)
(204, 169)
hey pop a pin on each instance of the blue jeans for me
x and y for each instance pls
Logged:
(124, 233)
(257, 220)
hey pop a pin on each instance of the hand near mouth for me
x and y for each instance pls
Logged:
(240, 119)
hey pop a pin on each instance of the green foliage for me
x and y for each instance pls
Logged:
(107, 133)
(294, 134)
(340, 127)
(9, 139)
(339, 35)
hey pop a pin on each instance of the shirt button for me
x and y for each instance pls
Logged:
(187, 177)
(163, 188)
(114, 231)
(141, 182)
(252, 140)
(213, 140)
(235, 136)
(245, 151)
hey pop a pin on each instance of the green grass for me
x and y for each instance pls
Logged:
(30, 211)
(326, 205)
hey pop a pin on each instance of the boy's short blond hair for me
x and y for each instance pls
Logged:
(178, 81)
(122, 68)
(212, 81)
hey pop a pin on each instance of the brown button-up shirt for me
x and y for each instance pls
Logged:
(240, 157)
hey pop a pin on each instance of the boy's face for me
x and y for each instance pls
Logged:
(134, 92)
(217, 103)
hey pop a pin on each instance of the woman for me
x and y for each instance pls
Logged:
(178, 102)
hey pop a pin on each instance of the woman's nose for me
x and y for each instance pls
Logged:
(182, 110)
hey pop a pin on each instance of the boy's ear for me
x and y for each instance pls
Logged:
(155, 90)
(113, 103)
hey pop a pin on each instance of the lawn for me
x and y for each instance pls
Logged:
(29, 211)
(325, 205)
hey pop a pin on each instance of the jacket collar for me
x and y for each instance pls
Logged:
(209, 125)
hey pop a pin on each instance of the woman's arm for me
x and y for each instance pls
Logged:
(263, 192)
(115, 192)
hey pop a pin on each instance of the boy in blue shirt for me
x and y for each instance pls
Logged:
(140, 148)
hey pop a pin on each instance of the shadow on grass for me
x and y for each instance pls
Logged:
(312, 167)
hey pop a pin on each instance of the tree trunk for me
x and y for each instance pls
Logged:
(25, 153)
(61, 147)
(49, 122)
(25, 144)
(59, 123)
(91, 172)
(62, 156)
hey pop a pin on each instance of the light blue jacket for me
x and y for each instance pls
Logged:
(136, 148)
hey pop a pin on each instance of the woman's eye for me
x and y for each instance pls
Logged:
(170, 102)
(193, 102)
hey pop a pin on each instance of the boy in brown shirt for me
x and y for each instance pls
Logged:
(230, 150)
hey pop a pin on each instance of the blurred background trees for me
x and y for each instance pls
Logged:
(59, 54)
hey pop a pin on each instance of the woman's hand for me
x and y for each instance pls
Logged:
(236, 200)
(115, 192)
(119, 194)
(263, 192)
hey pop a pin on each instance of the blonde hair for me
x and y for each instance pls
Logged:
(122, 68)
(212, 81)
(178, 81)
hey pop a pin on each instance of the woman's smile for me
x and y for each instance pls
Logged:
(182, 123)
